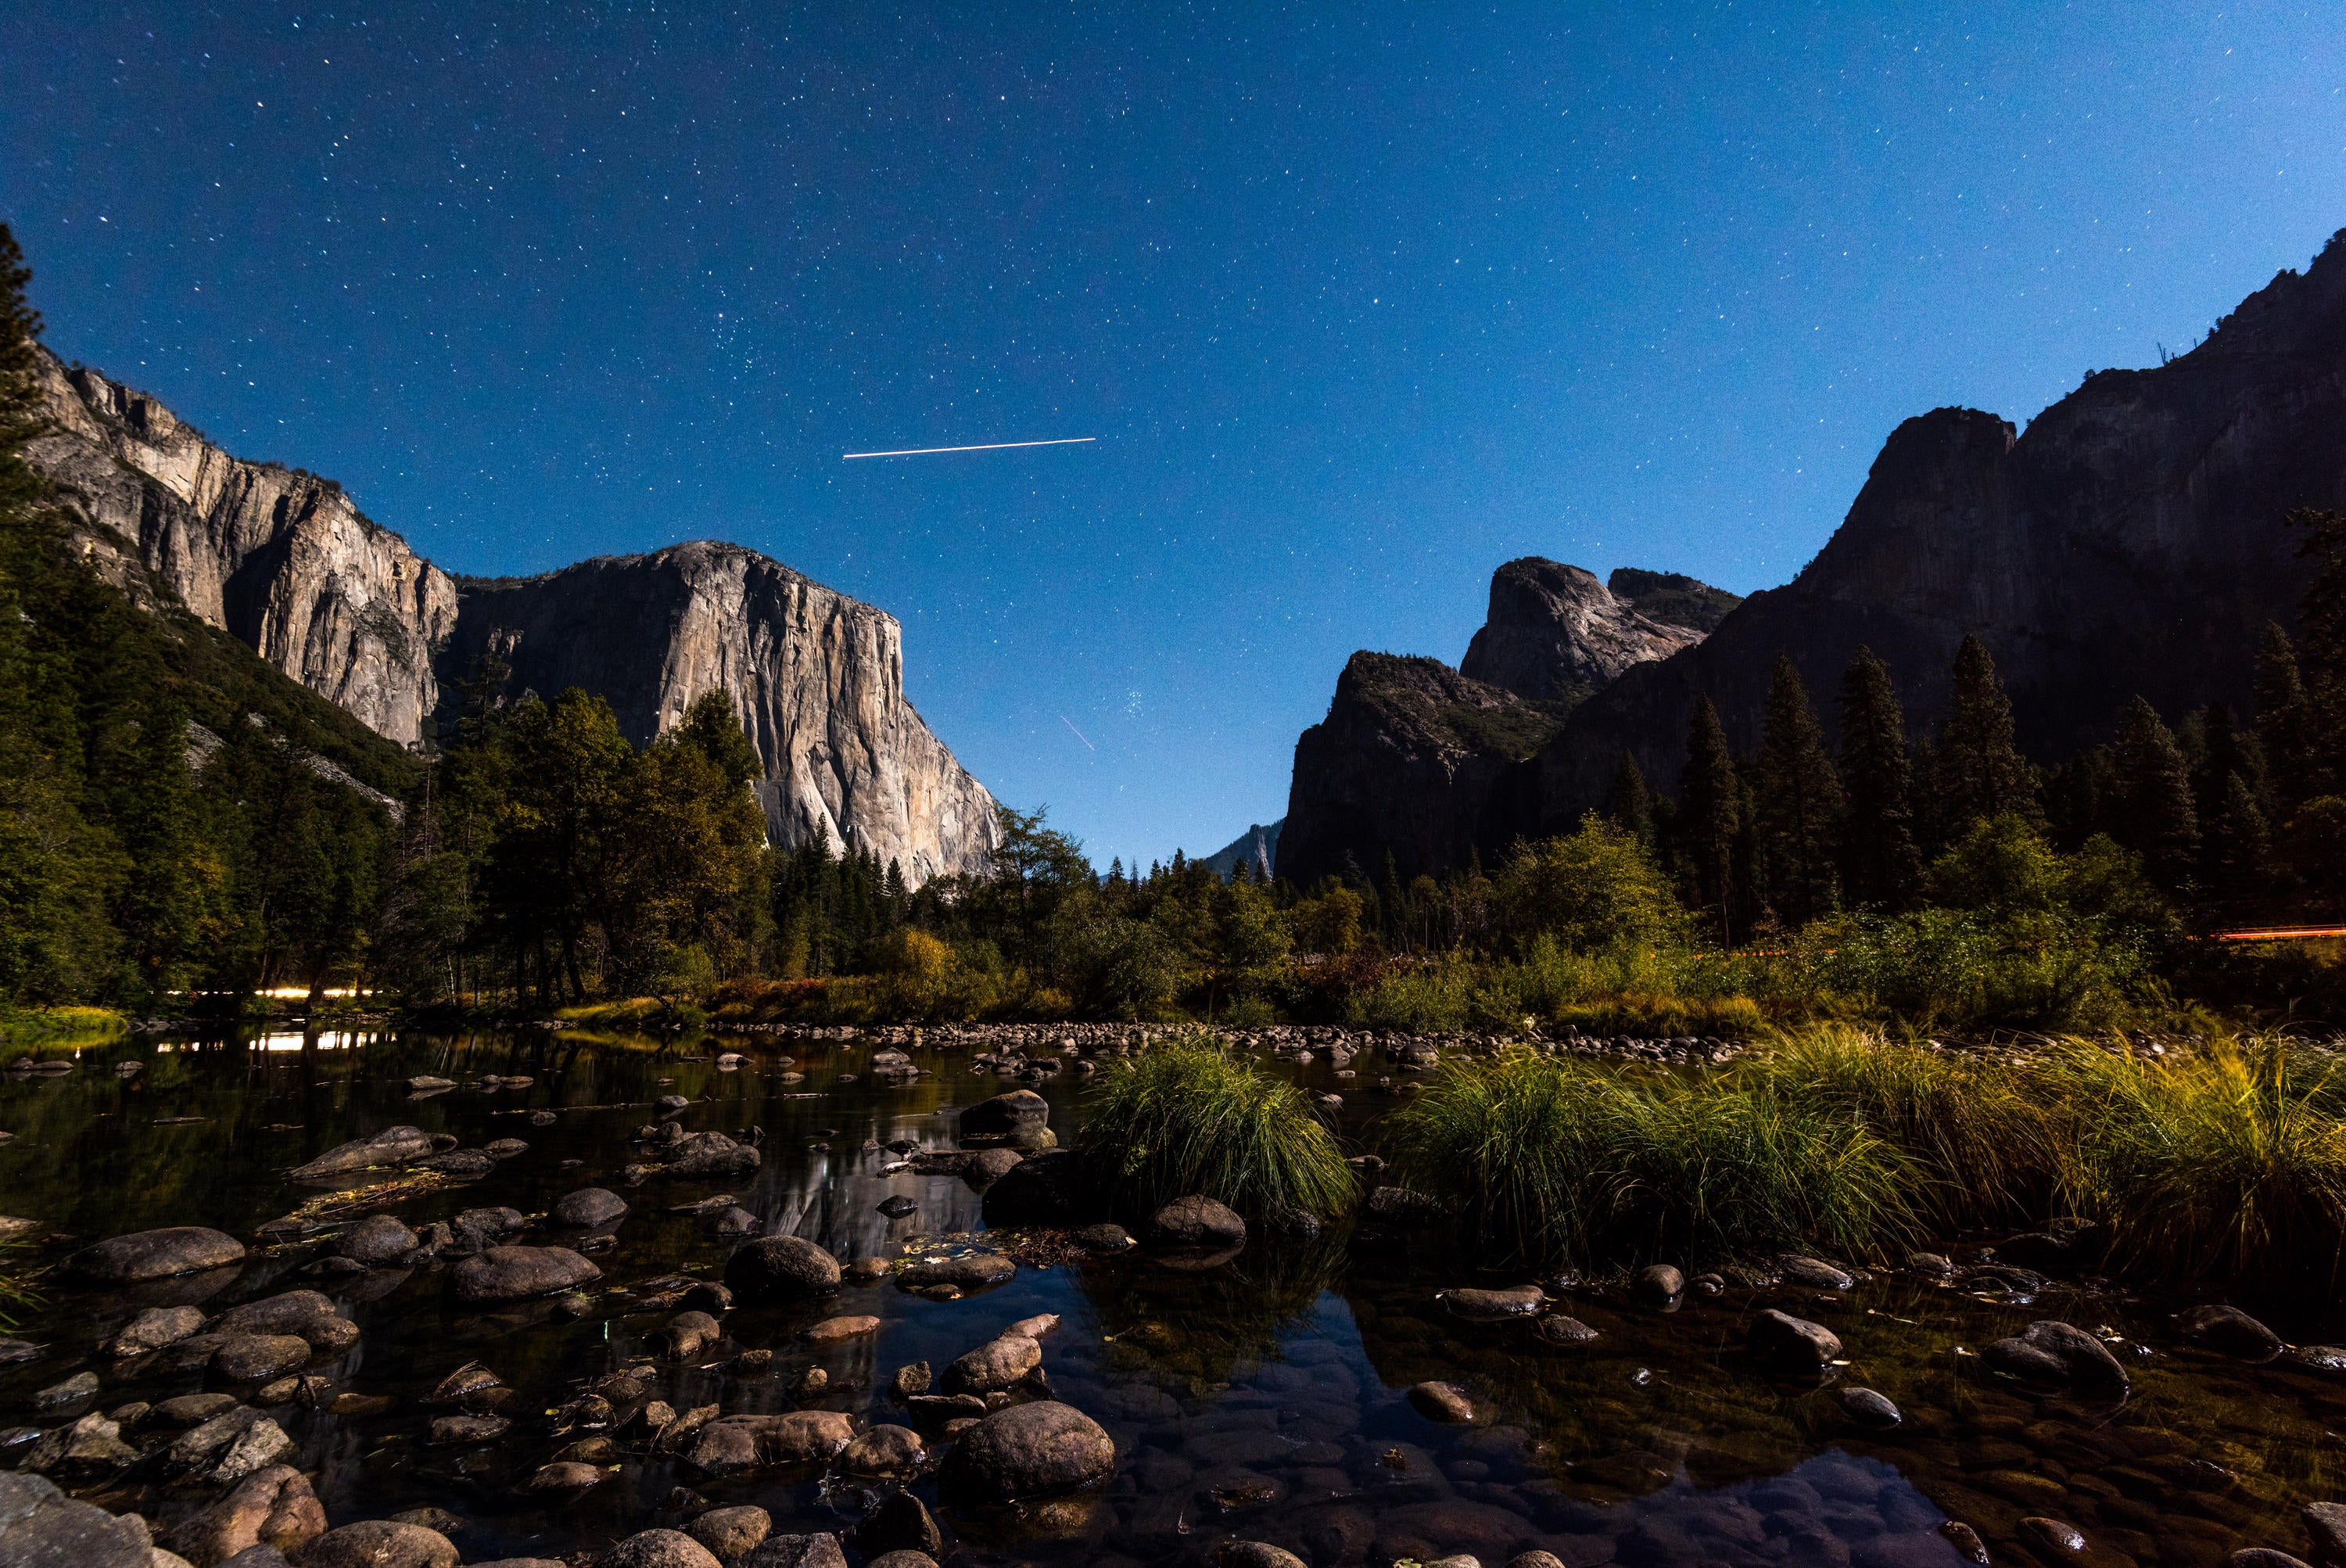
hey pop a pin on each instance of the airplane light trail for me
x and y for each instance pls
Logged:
(1079, 734)
(989, 446)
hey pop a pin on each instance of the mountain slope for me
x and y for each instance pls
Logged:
(2130, 541)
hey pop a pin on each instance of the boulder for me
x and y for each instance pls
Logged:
(687, 1334)
(1869, 1408)
(2326, 1522)
(885, 1451)
(41, 1527)
(1104, 1239)
(156, 1255)
(1793, 1344)
(780, 1270)
(465, 1164)
(377, 1239)
(304, 1313)
(1813, 1272)
(587, 1207)
(518, 1273)
(153, 1329)
(256, 1357)
(704, 1155)
(2228, 1331)
(1256, 1554)
(1444, 1402)
(1557, 1329)
(796, 1552)
(1025, 1451)
(377, 1543)
(730, 1532)
(1000, 1364)
(478, 1227)
(838, 1331)
(564, 1476)
(1195, 1221)
(1517, 1301)
(390, 1147)
(658, 1548)
(2086, 1359)
(1656, 1285)
(1004, 1115)
(741, 1444)
(898, 1523)
(273, 1506)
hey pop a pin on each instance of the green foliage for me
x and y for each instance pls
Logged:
(1188, 1117)
(1710, 816)
(1981, 772)
(1594, 888)
(1562, 1159)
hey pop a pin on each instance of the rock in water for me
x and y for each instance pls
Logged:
(390, 1147)
(377, 1239)
(1195, 1221)
(1444, 1402)
(732, 1532)
(2229, 1332)
(518, 1273)
(778, 1270)
(1027, 1451)
(156, 1255)
(588, 1208)
(272, 1507)
(1792, 1344)
(40, 1527)
(658, 1548)
(379, 1544)
(1001, 1363)
(1519, 1302)
(1005, 1115)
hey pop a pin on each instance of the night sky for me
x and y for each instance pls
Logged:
(1360, 300)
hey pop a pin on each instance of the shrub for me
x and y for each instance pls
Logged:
(1188, 1118)
(1595, 888)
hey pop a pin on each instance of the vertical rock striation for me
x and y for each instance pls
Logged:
(284, 561)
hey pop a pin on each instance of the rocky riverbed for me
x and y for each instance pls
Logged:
(822, 1296)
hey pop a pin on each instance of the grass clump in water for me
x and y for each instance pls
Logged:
(1563, 1159)
(2226, 1160)
(1188, 1118)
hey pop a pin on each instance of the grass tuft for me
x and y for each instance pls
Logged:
(1188, 1118)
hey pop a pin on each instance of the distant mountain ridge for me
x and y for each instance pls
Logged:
(285, 562)
(1256, 848)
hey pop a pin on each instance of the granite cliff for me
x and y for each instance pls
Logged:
(2130, 541)
(1436, 766)
(285, 562)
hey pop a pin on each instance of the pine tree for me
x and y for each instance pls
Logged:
(1630, 804)
(2238, 846)
(1981, 772)
(2285, 722)
(1799, 799)
(1880, 866)
(2157, 816)
(1707, 820)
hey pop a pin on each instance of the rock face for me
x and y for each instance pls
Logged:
(2131, 540)
(1256, 848)
(284, 560)
(1555, 633)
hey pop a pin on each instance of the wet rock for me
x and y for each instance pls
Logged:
(866, 1270)
(569, 1475)
(378, 1543)
(1867, 1407)
(898, 1207)
(1930, 1264)
(733, 1221)
(273, 1507)
(902, 1560)
(658, 1548)
(750, 1363)
(911, 1380)
(2228, 1331)
(812, 1384)
(1441, 1402)
(470, 1383)
(153, 1329)
(1045, 1189)
(1656, 1285)
(1559, 1330)
(465, 1164)
(1004, 1115)
(1103, 1240)
(16, 1352)
(708, 1295)
(687, 1334)
(2262, 1557)
(2084, 1361)
(456, 1431)
(1535, 1560)
(708, 1154)
(519, 1273)
(1516, 1302)
(1002, 1363)
(504, 1148)
(838, 1331)
(1256, 1554)
(73, 1390)
(781, 1271)
(2053, 1535)
(587, 1207)
(1195, 1221)
(1813, 1272)
(2058, 1248)
(286, 1390)
(258, 1447)
(1793, 1344)
(377, 1239)
(885, 1451)
(192, 1409)
(390, 1147)
(1027, 1451)
(303, 1313)
(796, 1552)
(971, 1272)
(2326, 1522)
(91, 1445)
(155, 1254)
(1965, 1541)
(256, 1357)
(476, 1228)
(40, 1527)
(900, 1523)
(741, 1444)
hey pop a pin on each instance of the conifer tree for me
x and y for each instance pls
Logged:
(1982, 774)
(2156, 815)
(1880, 867)
(1707, 818)
(2238, 846)
(1800, 804)
(2285, 722)
(1630, 804)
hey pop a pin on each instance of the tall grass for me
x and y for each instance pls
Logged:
(2225, 1161)
(1559, 1158)
(1189, 1118)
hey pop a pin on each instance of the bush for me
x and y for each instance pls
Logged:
(1188, 1117)
(1595, 889)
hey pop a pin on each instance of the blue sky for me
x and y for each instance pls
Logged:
(1359, 301)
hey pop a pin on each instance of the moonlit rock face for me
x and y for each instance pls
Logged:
(286, 562)
(1555, 630)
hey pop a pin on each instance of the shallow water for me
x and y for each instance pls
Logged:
(1264, 1398)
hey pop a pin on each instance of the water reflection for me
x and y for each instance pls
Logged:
(1261, 1398)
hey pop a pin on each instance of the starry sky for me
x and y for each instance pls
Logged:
(1359, 300)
